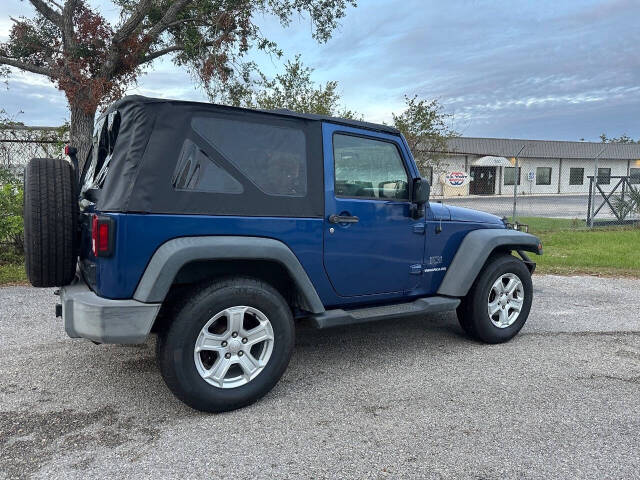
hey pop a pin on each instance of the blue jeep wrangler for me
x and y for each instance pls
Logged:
(218, 228)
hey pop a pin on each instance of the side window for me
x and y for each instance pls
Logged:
(273, 157)
(97, 154)
(195, 171)
(634, 173)
(368, 168)
(105, 133)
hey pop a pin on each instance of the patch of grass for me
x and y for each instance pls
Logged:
(608, 252)
(571, 248)
(542, 224)
(12, 273)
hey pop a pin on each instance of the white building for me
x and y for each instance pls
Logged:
(486, 166)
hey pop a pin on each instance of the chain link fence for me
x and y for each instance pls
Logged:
(19, 144)
(591, 185)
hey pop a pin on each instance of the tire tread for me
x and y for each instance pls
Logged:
(50, 222)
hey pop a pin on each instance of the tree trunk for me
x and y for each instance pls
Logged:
(81, 131)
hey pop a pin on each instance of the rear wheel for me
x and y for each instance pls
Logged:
(50, 222)
(228, 344)
(498, 303)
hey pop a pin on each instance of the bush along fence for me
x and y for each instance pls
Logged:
(18, 144)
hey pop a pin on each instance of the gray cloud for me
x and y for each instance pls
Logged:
(509, 70)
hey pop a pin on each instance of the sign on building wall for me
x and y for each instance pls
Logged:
(455, 179)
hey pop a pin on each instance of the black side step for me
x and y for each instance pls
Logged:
(339, 317)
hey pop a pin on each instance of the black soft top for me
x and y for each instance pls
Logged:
(340, 121)
(154, 134)
(281, 112)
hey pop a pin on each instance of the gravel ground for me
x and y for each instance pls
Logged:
(399, 399)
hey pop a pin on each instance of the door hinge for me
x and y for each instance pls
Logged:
(415, 269)
(418, 228)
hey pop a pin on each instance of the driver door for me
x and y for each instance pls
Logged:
(371, 245)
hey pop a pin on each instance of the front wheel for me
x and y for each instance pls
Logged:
(228, 345)
(498, 303)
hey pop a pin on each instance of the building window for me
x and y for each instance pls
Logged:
(509, 175)
(576, 176)
(604, 176)
(634, 173)
(543, 176)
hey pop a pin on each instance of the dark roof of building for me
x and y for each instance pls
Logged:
(509, 147)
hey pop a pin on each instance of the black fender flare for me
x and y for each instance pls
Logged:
(172, 255)
(474, 252)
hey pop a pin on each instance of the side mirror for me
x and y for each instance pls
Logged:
(420, 191)
(419, 197)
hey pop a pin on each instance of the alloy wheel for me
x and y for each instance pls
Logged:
(234, 346)
(505, 301)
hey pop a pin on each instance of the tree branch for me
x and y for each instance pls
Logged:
(55, 3)
(174, 48)
(130, 25)
(185, 20)
(67, 24)
(13, 62)
(159, 53)
(47, 12)
(169, 16)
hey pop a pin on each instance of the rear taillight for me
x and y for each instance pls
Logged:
(102, 235)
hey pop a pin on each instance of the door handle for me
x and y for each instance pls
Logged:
(343, 219)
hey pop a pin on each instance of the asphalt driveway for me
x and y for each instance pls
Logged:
(400, 399)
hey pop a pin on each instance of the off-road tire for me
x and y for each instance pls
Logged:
(176, 341)
(472, 311)
(50, 222)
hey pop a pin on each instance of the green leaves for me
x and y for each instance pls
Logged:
(293, 89)
(11, 224)
(627, 203)
(426, 127)
(624, 138)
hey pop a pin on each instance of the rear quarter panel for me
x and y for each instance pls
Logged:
(139, 235)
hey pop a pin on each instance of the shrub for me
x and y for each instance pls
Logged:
(628, 203)
(11, 223)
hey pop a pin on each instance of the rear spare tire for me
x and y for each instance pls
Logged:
(50, 222)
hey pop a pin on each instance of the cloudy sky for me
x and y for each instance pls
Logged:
(539, 69)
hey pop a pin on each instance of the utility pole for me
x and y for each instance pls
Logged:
(516, 178)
